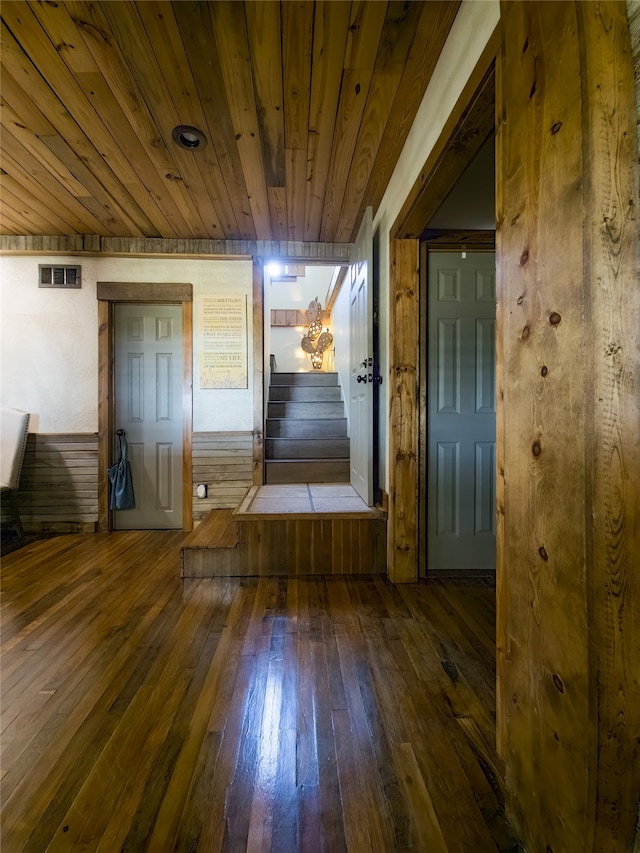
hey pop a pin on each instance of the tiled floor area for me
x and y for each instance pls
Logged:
(305, 499)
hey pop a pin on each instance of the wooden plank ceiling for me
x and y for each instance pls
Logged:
(305, 106)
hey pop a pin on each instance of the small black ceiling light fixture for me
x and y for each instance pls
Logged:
(188, 137)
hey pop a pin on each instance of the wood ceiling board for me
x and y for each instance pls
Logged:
(70, 144)
(143, 67)
(113, 79)
(297, 28)
(329, 41)
(22, 142)
(42, 203)
(194, 22)
(201, 168)
(118, 211)
(47, 74)
(363, 37)
(264, 29)
(353, 97)
(395, 43)
(229, 24)
(39, 183)
(170, 195)
(278, 211)
(431, 34)
(33, 216)
(296, 163)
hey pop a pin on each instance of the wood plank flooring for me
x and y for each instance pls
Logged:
(141, 712)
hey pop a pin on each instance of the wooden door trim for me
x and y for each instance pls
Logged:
(109, 293)
(468, 122)
(258, 372)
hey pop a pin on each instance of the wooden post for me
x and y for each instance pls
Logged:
(258, 372)
(402, 535)
(568, 426)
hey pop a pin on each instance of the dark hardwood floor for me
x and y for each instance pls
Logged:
(141, 712)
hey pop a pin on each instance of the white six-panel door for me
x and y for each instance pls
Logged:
(148, 405)
(461, 411)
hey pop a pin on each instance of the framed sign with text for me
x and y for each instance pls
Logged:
(223, 355)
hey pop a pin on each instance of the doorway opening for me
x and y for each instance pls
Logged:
(175, 365)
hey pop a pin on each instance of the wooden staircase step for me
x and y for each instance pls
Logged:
(306, 427)
(316, 379)
(311, 411)
(305, 393)
(307, 448)
(306, 471)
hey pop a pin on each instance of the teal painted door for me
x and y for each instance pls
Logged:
(461, 411)
(148, 405)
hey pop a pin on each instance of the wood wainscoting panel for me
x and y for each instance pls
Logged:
(59, 483)
(223, 461)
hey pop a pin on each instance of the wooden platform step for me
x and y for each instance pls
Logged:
(296, 530)
(212, 549)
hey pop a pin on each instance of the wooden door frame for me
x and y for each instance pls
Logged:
(432, 243)
(471, 121)
(109, 293)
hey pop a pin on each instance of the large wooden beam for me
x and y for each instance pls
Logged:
(402, 534)
(568, 426)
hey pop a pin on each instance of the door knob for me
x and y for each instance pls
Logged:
(361, 378)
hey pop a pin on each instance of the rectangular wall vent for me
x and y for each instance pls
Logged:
(58, 276)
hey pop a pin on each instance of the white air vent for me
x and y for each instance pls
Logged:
(59, 276)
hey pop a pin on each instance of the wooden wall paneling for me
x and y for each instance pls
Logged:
(224, 461)
(59, 483)
(258, 372)
(402, 556)
(331, 19)
(569, 636)
(503, 650)
(231, 39)
(613, 442)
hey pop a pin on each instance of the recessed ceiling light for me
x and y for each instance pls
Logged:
(188, 137)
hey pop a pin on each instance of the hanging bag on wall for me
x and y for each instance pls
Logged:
(121, 485)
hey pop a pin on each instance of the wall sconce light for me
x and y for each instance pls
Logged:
(315, 342)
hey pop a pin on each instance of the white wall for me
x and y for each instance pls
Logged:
(49, 338)
(340, 329)
(285, 340)
(474, 24)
